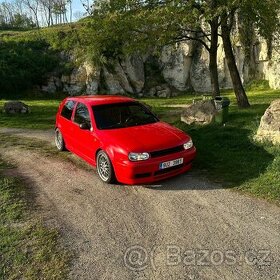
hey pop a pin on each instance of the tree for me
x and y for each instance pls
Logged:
(167, 23)
(226, 25)
(47, 6)
(22, 21)
(33, 6)
(262, 16)
(159, 23)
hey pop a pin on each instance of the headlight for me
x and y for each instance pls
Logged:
(188, 145)
(138, 156)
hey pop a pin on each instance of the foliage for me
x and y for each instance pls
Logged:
(258, 85)
(24, 64)
(18, 22)
(26, 57)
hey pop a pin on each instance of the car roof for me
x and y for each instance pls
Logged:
(100, 99)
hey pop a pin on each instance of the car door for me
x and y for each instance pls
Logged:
(65, 122)
(85, 138)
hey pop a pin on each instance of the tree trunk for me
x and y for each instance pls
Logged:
(71, 11)
(239, 91)
(213, 54)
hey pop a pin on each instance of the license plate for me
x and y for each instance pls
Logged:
(171, 163)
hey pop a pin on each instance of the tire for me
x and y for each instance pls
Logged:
(59, 141)
(105, 168)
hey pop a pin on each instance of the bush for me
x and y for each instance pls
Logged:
(24, 64)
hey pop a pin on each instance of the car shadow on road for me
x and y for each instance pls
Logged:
(188, 181)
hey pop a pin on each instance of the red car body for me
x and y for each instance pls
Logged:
(162, 141)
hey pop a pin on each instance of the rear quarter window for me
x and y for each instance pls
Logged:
(67, 109)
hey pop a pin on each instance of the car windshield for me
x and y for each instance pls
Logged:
(122, 115)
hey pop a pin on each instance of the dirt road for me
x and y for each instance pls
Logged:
(183, 228)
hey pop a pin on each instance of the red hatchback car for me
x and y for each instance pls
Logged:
(122, 138)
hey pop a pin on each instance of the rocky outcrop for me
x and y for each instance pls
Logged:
(134, 69)
(269, 129)
(202, 112)
(200, 76)
(178, 68)
(112, 82)
(82, 79)
(15, 107)
(270, 68)
(176, 62)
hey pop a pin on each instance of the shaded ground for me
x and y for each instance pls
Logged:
(184, 228)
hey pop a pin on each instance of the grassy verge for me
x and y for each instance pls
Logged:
(226, 154)
(28, 250)
(42, 115)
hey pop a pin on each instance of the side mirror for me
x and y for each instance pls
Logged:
(85, 126)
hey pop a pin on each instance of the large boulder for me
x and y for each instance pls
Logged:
(201, 112)
(269, 128)
(15, 107)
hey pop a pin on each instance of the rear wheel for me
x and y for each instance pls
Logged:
(59, 141)
(105, 168)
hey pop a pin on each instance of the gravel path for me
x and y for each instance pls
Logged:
(184, 228)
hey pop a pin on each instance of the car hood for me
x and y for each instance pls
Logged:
(145, 138)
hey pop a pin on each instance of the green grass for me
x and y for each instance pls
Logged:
(42, 115)
(227, 154)
(28, 250)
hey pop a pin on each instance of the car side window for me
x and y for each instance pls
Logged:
(67, 109)
(82, 114)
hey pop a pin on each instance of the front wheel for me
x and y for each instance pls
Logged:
(59, 141)
(105, 168)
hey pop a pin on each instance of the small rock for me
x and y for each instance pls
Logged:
(15, 107)
(164, 93)
(202, 112)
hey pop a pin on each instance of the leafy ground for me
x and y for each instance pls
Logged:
(28, 249)
(226, 153)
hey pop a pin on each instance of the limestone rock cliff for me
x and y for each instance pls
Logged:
(183, 66)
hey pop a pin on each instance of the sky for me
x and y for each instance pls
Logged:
(77, 6)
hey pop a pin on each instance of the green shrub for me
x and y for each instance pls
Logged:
(24, 64)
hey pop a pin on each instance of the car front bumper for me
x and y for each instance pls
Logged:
(145, 172)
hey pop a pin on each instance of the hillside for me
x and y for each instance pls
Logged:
(66, 58)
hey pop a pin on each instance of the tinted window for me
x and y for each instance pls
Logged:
(82, 114)
(68, 109)
(122, 115)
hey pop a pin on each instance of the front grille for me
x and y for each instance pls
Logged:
(164, 171)
(167, 151)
